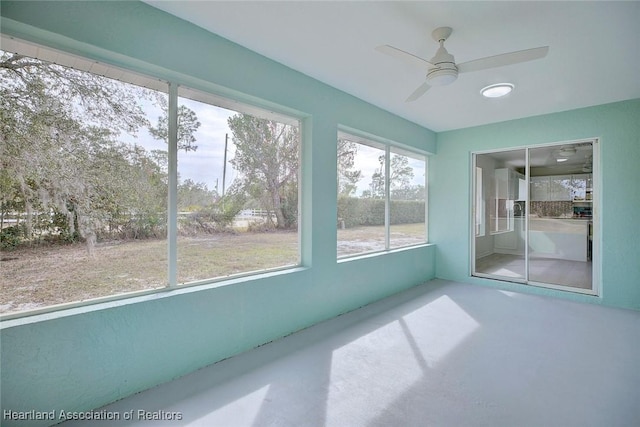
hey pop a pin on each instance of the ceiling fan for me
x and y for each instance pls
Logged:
(442, 69)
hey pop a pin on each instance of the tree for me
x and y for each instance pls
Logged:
(267, 157)
(376, 186)
(401, 172)
(188, 124)
(410, 192)
(347, 177)
(59, 148)
(400, 177)
(195, 195)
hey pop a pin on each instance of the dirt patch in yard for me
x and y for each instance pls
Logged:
(47, 275)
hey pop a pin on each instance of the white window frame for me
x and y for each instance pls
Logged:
(479, 205)
(363, 138)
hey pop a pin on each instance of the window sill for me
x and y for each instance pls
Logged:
(384, 252)
(104, 303)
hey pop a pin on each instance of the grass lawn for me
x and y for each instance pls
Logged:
(47, 275)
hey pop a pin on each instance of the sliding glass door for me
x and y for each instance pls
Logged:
(532, 215)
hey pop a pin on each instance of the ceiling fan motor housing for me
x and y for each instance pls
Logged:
(442, 76)
(445, 71)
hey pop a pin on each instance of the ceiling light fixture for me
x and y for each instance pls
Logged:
(497, 90)
(560, 160)
(567, 151)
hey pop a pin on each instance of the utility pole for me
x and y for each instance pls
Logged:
(224, 167)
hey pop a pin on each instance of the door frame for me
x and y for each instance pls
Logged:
(596, 261)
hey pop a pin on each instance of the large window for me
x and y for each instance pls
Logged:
(111, 183)
(83, 185)
(381, 196)
(237, 189)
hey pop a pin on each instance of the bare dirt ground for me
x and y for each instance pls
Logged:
(42, 276)
(47, 275)
(357, 240)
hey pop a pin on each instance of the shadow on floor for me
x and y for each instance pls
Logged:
(441, 354)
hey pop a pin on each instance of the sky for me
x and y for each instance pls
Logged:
(205, 165)
(367, 161)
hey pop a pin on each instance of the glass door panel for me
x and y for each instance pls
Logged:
(500, 195)
(560, 219)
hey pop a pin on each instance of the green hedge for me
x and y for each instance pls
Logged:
(354, 211)
(407, 211)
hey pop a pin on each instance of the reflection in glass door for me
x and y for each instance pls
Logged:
(500, 196)
(533, 215)
(561, 215)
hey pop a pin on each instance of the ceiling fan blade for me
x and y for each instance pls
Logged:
(503, 59)
(404, 56)
(422, 89)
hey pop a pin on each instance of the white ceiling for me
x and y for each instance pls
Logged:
(594, 55)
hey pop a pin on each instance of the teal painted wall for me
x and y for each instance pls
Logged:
(86, 357)
(618, 127)
(82, 358)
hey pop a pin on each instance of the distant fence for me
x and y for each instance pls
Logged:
(252, 213)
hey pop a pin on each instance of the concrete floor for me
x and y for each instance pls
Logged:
(575, 274)
(441, 354)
